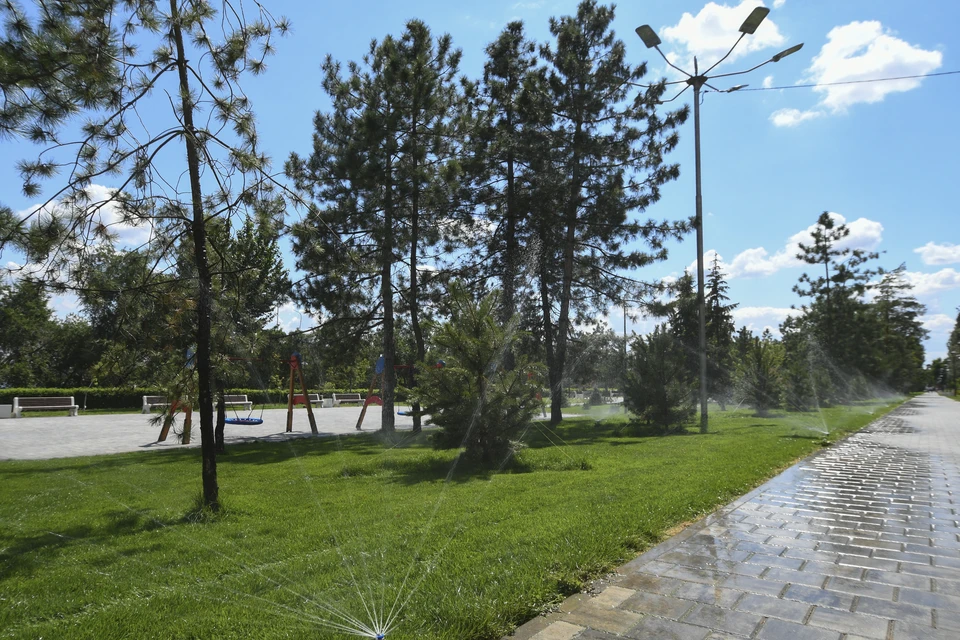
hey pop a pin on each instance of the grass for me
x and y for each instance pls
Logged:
(116, 546)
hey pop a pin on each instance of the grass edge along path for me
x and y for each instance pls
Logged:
(323, 536)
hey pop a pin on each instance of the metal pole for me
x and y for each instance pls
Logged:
(697, 81)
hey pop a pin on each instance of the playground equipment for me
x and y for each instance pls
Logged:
(378, 375)
(296, 370)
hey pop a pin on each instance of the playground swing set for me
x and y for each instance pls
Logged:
(296, 373)
(373, 398)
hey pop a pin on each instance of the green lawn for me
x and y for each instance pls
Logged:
(318, 533)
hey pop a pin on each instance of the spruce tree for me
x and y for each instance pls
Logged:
(720, 330)
(900, 347)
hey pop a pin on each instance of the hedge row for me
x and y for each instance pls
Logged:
(122, 398)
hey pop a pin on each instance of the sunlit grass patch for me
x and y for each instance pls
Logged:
(360, 532)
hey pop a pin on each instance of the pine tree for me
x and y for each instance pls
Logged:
(505, 155)
(839, 318)
(384, 170)
(212, 126)
(603, 164)
(953, 353)
(900, 348)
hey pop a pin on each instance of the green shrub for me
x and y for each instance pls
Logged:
(659, 385)
(476, 402)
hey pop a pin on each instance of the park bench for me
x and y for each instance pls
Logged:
(340, 398)
(314, 398)
(149, 402)
(238, 400)
(43, 404)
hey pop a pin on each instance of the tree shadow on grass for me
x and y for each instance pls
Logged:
(25, 553)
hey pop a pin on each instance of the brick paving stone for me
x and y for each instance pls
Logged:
(833, 569)
(558, 631)
(775, 561)
(906, 631)
(868, 563)
(708, 594)
(948, 619)
(946, 587)
(902, 556)
(780, 630)
(844, 622)
(774, 607)
(925, 598)
(723, 619)
(754, 585)
(860, 588)
(860, 541)
(914, 614)
(898, 579)
(658, 605)
(653, 627)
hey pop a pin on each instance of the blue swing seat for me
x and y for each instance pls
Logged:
(243, 421)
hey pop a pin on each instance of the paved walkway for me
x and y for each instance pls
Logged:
(65, 437)
(861, 540)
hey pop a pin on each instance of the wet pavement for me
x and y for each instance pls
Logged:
(37, 438)
(861, 540)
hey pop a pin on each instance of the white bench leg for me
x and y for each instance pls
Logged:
(74, 411)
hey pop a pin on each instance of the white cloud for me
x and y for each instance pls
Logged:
(792, 117)
(933, 253)
(711, 33)
(757, 262)
(768, 82)
(708, 258)
(528, 5)
(863, 51)
(938, 323)
(756, 319)
(290, 317)
(928, 284)
(64, 304)
(778, 3)
(102, 211)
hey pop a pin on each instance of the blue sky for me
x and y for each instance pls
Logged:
(883, 156)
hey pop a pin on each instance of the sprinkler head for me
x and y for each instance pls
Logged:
(379, 636)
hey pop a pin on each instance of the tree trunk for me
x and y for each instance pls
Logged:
(208, 451)
(414, 280)
(388, 420)
(555, 381)
(221, 418)
(509, 306)
(569, 247)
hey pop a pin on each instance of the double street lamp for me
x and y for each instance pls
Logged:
(697, 80)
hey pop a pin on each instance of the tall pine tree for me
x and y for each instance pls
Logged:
(607, 160)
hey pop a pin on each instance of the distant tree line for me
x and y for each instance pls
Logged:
(858, 335)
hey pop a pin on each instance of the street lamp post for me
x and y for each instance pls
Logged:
(697, 80)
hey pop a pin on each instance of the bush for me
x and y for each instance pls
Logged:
(476, 402)
(761, 383)
(659, 385)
